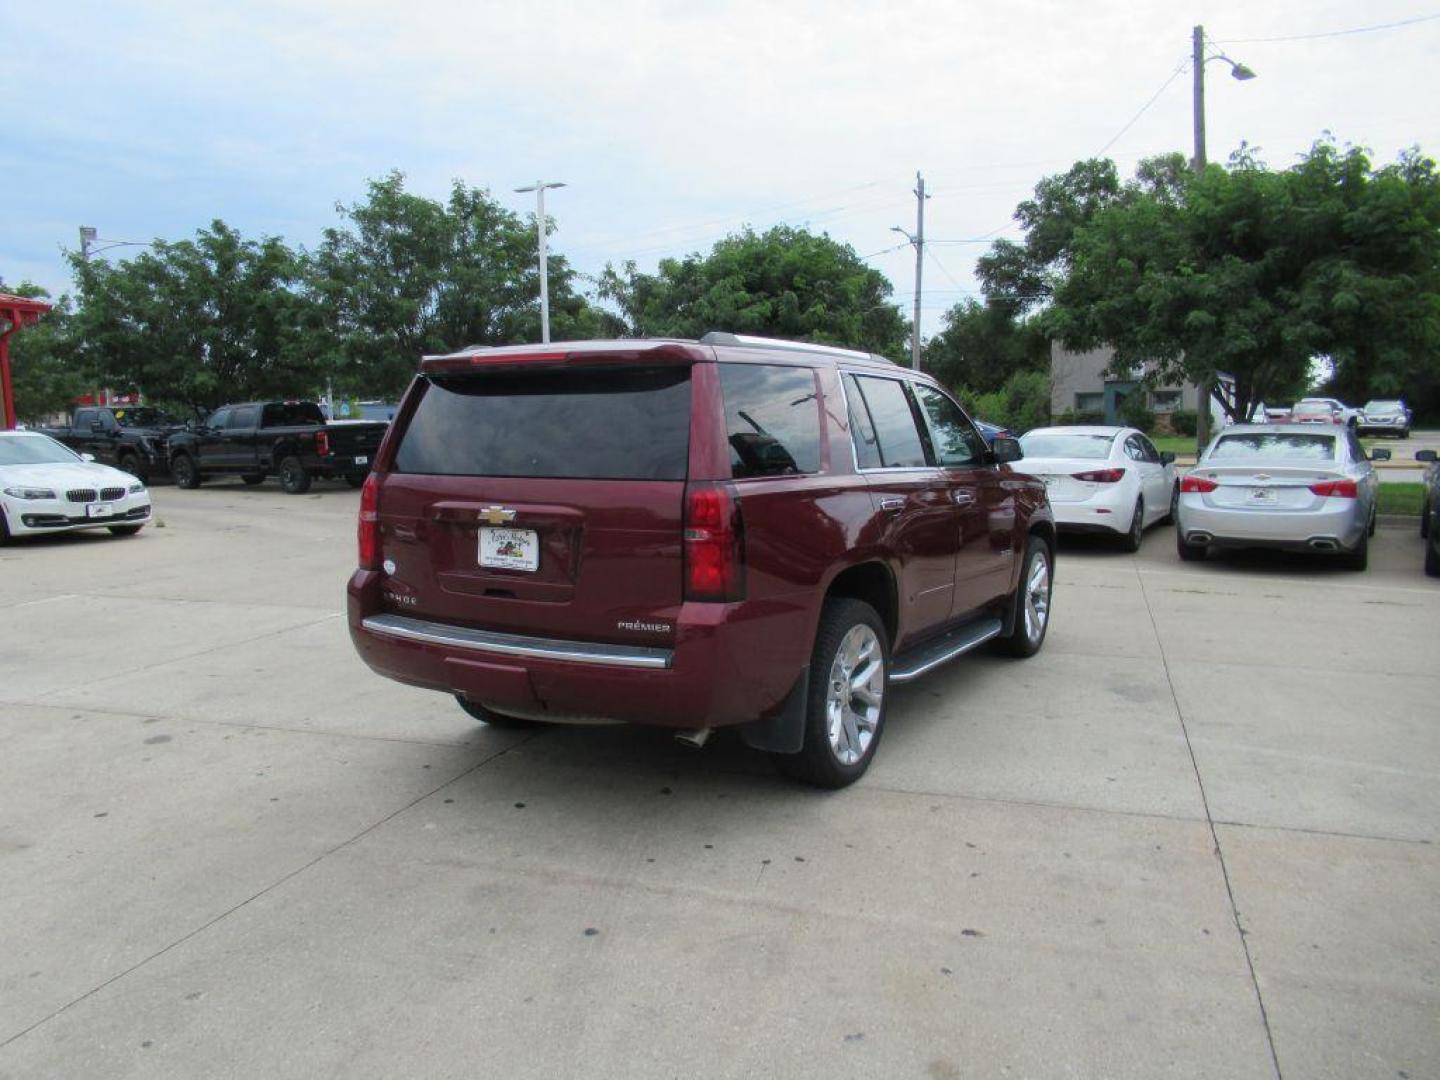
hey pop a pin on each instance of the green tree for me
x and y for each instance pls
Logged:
(198, 322)
(785, 283)
(1022, 403)
(983, 345)
(44, 363)
(407, 275)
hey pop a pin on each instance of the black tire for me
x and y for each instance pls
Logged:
(295, 479)
(123, 530)
(1030, 618)
(252, 478)
(1169, 518)
(1358, 559)
(1132, 540)
(4, 529)
(131, 463)
(1187, 552)
(1432, 559)
(355, 481)
(186, 475)
(1370, 530)
(493, 719)
(1425, 519)
(819, 762)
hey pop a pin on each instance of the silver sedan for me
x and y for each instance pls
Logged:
(1287, 486)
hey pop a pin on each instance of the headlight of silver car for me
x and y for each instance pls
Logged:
(136, 489)
(29, 493)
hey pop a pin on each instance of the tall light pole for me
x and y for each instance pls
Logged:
(539, 188)
(1198, 60)
(918, 240)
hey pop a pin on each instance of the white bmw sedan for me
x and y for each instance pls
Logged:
(1102, 479)
(46, 487)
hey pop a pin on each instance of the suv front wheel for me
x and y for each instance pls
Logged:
(845, 709)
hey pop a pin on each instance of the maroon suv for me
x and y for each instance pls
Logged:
(730, 532)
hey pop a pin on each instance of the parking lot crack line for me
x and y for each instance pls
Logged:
(268, 889)
(1214, 832)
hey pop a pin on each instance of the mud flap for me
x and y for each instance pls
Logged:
(783, 732)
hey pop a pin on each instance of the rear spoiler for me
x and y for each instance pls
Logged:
(482, 358)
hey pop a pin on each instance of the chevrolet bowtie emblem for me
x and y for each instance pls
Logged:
(496, 515)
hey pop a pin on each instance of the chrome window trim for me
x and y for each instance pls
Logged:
(487, 641)
(854, 458)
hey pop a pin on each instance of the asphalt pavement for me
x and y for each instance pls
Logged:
(1194, 837)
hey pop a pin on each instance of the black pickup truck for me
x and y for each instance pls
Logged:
(132, 438)
(288, 439)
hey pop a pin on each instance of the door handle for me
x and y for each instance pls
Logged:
(891, 505)
(963, 498)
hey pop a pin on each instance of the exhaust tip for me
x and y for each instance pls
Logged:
(1198, 538)
(694, 738)
(1321, 544)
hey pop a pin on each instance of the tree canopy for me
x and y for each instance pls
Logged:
(785, 282)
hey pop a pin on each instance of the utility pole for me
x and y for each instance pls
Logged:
(1197, 61)
(539, 188)
(88, 233)
(918, 240)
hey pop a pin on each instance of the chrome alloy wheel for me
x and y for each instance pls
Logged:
(856, 688)
(1037, 598)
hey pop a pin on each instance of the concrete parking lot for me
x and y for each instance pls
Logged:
(1195, 837)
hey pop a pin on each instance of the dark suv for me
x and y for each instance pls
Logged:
(729, 532)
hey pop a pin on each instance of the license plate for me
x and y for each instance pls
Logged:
(510, 549)
(95, 510)
(1262, 495)
(362, 460)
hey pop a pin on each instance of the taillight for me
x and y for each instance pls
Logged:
(322, 443)
(368, 533)
(714, 544)
(1336, 489)
(1197, 484)
(1100, 476)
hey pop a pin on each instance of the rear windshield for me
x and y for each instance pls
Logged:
(1308, 407)
(1274, 444)
(292, 414)
(1038, 444)
(598, 424)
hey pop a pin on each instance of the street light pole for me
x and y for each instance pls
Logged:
(539, 188)
(1198, 60)
(918, 240)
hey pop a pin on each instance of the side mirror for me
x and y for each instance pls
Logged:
(1423, 455)
(1167, 457)
(87, 457)
(1006, 450)
(1379, 454)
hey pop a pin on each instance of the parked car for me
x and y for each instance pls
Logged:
(1316, 412)
(132, 438)
(1103, 479)
(1385, 418)
(288, 439)
(1348, 414)
(694, 535)
(1430, 511)
(1285, 486)
(46, 487)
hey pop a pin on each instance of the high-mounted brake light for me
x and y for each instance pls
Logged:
(1197, 484)
(1100, 476)
(368, 533)
(714, 544)
(322, 443)
(1336, 489)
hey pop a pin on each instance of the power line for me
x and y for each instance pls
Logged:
(1144, 108)
(1332, 33)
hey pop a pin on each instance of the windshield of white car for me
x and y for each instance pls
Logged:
(34, 450)
(1379, 407)
(1274, 444)
(1041, 444)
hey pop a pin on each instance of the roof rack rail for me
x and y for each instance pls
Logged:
(720, 337)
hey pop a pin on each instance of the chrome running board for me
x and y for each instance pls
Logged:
(915, 662)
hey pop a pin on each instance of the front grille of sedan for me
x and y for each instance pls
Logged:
(81, 495)
(111, 494)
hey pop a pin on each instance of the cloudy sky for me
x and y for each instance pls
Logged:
(672, 123)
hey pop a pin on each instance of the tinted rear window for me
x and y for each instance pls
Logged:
(292, 414)
(772, 419)
(1274, 444)
(894, 422)
(599, 424)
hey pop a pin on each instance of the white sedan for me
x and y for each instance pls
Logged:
(46, 487)
(1104, 479)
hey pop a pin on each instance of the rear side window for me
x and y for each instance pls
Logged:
(893, 421)
(598, 424)
(292, 414)
(772, 419)
(242, 418)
